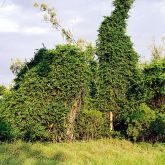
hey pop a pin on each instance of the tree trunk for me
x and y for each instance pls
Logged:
(110, 120)
(71, 118)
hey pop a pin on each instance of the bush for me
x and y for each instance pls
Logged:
(154, 80)
(140, 123)
(90, 125)
(5, 131)
(158, 128)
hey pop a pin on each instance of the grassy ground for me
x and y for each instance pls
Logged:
(101, 152)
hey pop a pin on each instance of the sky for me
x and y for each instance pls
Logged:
(22, 29)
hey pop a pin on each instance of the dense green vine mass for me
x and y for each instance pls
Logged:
(117, 58)
(45, 92)
(2, 90)
(55, 85)
(154, 86)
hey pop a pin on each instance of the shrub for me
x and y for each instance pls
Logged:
(139, 123)
(158, 128)
(154, 80)
(5, 131)
(90, 125)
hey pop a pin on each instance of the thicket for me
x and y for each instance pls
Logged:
(47, 95)
(154, 89)
(154, 77)
(69, 92)
(90, 125)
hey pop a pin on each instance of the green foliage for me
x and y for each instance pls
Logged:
(2, 90)
(90, 125)
(117, 59)
(5, 131)
(154, 82)
(50, 90)
(140, 122)
(39, 57)
(45, 91)
(158, 127)
(90, 97)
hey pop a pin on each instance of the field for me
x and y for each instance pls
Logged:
(101, 152)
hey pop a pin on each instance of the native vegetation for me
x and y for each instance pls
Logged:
(77, 91)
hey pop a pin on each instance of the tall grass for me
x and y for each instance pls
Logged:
(101, 152)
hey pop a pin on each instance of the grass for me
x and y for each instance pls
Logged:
(101, 152)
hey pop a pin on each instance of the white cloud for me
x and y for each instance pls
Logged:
(34, 30)
(161, 7)
(9, 9)
(10, 21)
(7, 25)
(75, 21)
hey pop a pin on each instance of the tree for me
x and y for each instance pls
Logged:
(50, 16)
(146, 121)
(117, 60)
(47, 96)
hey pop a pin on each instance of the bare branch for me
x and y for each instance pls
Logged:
(50, 16)
(158, 49)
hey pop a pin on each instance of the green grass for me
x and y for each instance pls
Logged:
(101, 152)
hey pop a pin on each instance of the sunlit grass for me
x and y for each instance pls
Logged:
(101, 152)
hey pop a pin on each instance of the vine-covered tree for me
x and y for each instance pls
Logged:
(117, 60)
(47, 96)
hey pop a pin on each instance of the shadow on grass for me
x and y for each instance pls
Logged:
(22, 154)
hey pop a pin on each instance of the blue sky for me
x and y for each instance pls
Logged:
(22, 29)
